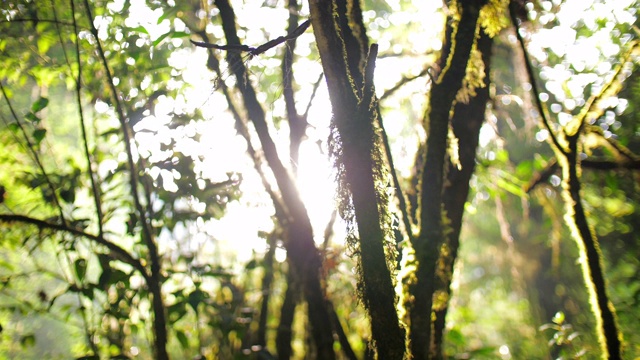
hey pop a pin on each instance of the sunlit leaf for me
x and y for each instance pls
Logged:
(140, 29)
(558, 318)
(160, 38)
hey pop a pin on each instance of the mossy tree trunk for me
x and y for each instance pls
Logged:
(341, 42)
(567, 146)
(420, 285)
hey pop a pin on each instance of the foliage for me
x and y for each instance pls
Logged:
(160, 199)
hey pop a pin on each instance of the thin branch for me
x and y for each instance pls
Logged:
(37, 20)
(155, 282)
(255, 51)
(542, 176)
(35, 155)
(115, 251)
(593, 101)
(83, 126)
(603, 164)
(83, 312)
(241, 126)
(148, 236)
(313, 95)
(542, 111)
(405, 80)
(297, 124)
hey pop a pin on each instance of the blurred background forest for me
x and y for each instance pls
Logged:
(135, 195)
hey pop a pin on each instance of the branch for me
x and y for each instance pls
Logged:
(154, 283)
(115, 251)
(542, 176)
(405, 80)
(590, 110)
(542, 111)
(603, 164)
(36, 20)
(94, 186)
(313, 95)
(255, 51)
(297, 124)
(241, 126)
(35, 155)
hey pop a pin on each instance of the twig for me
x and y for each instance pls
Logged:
(255, 51)
(83, 126)
(297, 124)
(154, 281)
(532, 80)
(404, 81)
(115, 251)
(36, 158)
(313, 95)
(36, 20)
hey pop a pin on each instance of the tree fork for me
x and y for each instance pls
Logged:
(420, 285)
(609, 336)
(354, 119)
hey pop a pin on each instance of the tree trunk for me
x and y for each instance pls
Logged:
(420, 285)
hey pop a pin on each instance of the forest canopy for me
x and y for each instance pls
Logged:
(338, 179)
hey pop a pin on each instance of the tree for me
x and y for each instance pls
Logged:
(129, 227)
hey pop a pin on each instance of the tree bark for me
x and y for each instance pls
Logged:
(355, 113)
(421, 284)
(301, 250)
(466, 123)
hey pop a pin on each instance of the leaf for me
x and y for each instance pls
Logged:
(160, 38)
(32, 117)
(196, 298)
(44, 44)
(88, 357)
(40, 104)
(38, 135)
(182, 338)
(140, 29)
(81, 268)
(510, 187)
(28, 340)
(68, 195)
(179, 34)
(558, 318)
(14, 127)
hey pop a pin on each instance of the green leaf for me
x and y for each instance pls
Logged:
(68, 195)
(510, 187)
(160, 38)
(81, 268)
(38, 135)
(196, 298)
(44, 44)
(140, 29)
(40, 104)
(32, 117)
(182, 338)
(14, 127)
(179, 34)
(28, 340)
